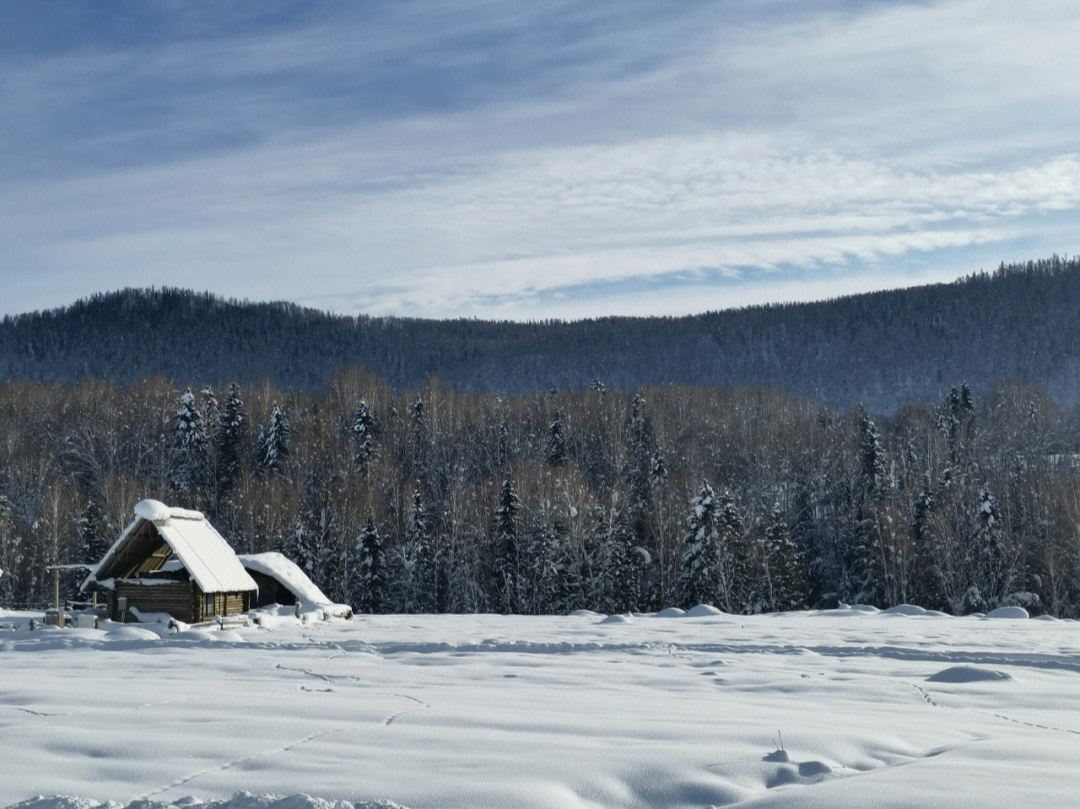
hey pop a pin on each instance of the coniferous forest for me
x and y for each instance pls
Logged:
(881, 350)
(437, 500)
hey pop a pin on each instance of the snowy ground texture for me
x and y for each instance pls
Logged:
(841, 708)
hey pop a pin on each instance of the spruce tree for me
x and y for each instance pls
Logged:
(544, 573)
(786, 584)
(926, 584)
(191, 443)
(556, 443)
(418, 417)
(422, 557)
(93, 540)
(362, 429)
(229, 439)
(275, 440)
(738, 585)
(507, 561)
(988, 556)
(639, 472)
(369, 595)
(657, 468)
(623, 568)
(700, 563)
(300, 545)
(871, 456)
(12, 555)
(862, 583)
(955, 419)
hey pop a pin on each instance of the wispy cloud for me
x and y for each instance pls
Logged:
(547, 160)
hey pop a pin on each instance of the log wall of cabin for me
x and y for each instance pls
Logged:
(224, 604)
(178, 599)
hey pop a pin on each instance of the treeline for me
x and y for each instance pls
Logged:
(881, 349)
(752, 500)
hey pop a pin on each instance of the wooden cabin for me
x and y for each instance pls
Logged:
(171, 560)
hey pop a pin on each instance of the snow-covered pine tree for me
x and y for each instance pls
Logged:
(859, 583)
(362, 429)
(275, 439)
(370, 580)
(871, 456)
(93, 540)
(191, 444)
(229, 439)
(700, 563)
(464, 587)
(624, 565)
(955, 419)
(556, 442)
(544, 573)
(639, 469)
(989, 559)
(507, 556)
(422, 557)
(738, 583)
(657, 468)
(419, 418)
(211, 413)
(786, 585)
(326, 569)
(299, 546)
(926, 575)
(12, 554)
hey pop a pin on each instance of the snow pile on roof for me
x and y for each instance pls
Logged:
(194, 541)
(153, 510)
(289, 574)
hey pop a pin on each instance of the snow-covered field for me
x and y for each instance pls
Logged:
(843, 708)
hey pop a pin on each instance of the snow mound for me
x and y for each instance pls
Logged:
(56, 802)
(967, 674)
(241, 800)
(904, 609)
(122, 632)
(618, 619)
(206, 636)
(701, 610)
(671, 612)
(1008, 612)
(267, 619)
(843, 610)
(585, 614)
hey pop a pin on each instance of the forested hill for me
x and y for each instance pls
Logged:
(882, 349)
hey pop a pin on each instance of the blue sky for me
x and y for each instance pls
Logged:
(531, 160)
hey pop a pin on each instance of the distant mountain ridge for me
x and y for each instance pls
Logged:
(881, 349)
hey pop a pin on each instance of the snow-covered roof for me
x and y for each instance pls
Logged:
(289, 574)
(198, 546)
